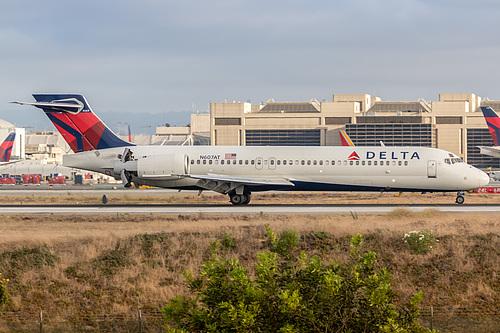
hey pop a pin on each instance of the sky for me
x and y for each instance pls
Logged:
(155, 61)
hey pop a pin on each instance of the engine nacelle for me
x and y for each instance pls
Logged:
(163, 166)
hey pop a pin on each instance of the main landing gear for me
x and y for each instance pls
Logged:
(239, 199)
(460, 198)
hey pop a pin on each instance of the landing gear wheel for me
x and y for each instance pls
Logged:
(246, 198)
(236, 199)
(459, 200)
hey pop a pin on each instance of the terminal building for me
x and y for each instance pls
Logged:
(454, 123)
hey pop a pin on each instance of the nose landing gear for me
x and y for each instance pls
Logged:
(460, 198)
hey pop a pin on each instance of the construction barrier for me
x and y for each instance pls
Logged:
(7, 181)
(57, 180)
(31, 179)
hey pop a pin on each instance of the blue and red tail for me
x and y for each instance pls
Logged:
(74, 119)
(493, 122)
(6, 147)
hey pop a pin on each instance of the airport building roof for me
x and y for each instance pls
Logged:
(291, 107)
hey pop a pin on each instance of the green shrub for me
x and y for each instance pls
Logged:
(227, 241)
(420, 242)
(291, 293)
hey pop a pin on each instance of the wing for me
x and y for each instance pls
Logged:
(491, 151)
(224, 184)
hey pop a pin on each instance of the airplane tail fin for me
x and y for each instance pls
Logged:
(345, 139)
(77, 123)
(6, 147)
(493, 122)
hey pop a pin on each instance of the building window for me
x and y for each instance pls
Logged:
(283, 137)
(227, 121)
(480, 137)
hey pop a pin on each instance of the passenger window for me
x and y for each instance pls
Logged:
(406, 163)
(351, 162)
(198, 162)
(447, 161)
(387, 163)
(210, 162)
(271, 162)
(394, 163)
(374, 162)
(326, 162)
(362, 162)
(252, 162)
(321, 162)
(339, 162)
(296, 162)
(278, 162)
(222, 162)
(303, 162)
(234, 161)
(192, 161)
(345, 162)
(308, 162)
(357, 162)
(259, 162)
(369, 162)
(246, 162)
(216, 162)
(400, 163)
(241, 162)
(284, 162)
(333, 162)
(204, 161)
(315, 162)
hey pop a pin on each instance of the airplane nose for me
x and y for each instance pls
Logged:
(484, 179)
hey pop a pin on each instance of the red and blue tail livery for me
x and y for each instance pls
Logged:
(493, 122)
(74, 119)
(6, 147)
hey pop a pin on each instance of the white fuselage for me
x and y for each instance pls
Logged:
(303, 168)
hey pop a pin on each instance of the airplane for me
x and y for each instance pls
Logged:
(493, 122)
(240, 170)
(345, 139)
(6, 149)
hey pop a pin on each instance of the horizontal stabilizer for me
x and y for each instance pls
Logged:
(70, 105)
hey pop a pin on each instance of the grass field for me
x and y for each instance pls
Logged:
(71, 266)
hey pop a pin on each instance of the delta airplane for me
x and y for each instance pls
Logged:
(6, 149)
(493, 122)
(239, 171)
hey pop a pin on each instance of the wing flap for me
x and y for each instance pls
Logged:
(243, 180)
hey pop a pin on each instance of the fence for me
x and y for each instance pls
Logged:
(444, 320)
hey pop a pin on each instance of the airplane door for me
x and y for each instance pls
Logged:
(431, 169)
(258, 163)
(272, 163)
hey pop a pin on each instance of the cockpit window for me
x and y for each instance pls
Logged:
(453, 160)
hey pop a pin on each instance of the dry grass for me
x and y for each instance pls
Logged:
(118, 264)
(137, 196)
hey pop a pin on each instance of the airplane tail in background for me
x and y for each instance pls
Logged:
(493, 122)
(6, 147)
(74, 119)
(345, 139)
